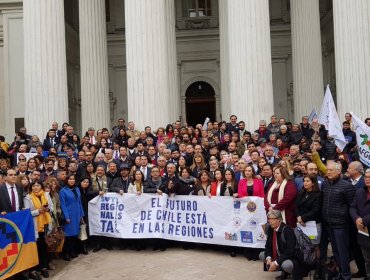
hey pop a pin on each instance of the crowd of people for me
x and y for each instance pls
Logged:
(296, 168)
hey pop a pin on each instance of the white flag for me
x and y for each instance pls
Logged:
(329, 117)
(363, 139)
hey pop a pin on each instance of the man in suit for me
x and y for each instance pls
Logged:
(267, 176)
(50, 141)
(280, 251)
(144, 166)
(11, 195)
(355, 173)
(269, 155)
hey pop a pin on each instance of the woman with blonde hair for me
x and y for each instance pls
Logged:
(281, 196)
(198, 165)
(285, 162)
(51, 185)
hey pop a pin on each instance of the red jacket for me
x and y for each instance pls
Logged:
(214, 188)
(287, 203)
(257, 188)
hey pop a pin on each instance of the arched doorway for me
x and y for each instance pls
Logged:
(200, 103)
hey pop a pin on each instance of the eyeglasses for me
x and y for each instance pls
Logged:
(22, 159)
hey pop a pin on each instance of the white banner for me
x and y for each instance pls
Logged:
(329, 117)
(363, 139)
(216, 220)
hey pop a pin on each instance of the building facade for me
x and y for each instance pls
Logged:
(89, 62)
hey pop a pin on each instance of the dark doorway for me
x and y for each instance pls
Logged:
(200, 103)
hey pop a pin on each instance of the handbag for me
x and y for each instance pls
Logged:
(83, 234)
(55, 239)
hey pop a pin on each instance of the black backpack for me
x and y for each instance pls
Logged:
(305, 252)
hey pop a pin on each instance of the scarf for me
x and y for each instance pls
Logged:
(189, 180)
(38, 200)
(280, 196)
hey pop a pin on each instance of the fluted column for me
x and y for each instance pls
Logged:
(308, 85)
(151, 62)
(94, 65)
(45, 65)
(246, 70)
(174, 89)
(352, 56)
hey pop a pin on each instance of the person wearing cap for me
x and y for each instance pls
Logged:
(120, 184)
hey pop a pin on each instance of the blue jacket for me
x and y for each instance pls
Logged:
(72, 209)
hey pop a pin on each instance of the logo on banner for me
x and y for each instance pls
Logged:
(365, 140)
(246, 236)
(231, 236)
(237, 207)
(261, 237)
(251, 206)
(237, 222)
(253, 222)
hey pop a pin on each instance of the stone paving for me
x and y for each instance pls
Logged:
(175, 263)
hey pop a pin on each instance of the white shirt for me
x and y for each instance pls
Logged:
(143, 169)
(9, 187)
(355, 181)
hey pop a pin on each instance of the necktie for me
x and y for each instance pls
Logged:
(13, 200)
(274, 245)
(91, 141)
(51, 142)
(116, 156)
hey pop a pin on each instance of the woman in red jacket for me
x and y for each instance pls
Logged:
(250, 185)
(281, 196)
(216, 185)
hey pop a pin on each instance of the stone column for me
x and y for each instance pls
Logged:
(94, 65)
(245, 56)
(45, 65)
(151, 63)
(308, 85)
(352, 56)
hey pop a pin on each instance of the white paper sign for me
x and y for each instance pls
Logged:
(309, 229)
(216, 220)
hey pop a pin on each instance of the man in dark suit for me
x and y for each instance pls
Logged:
(267, 176)
(144, 166)
(50, 141)
(355, 173)
(280, 250)
(11, 195)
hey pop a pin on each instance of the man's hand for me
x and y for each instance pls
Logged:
(101, 193)
(3, 213)
(359, 224)
(273, 267)
(121, 192)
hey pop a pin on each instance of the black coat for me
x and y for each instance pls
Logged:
(165, 182)
(337, 196)
(308, 206)
(5, 203)
(119, 184)
(153, 186)
(286, 250)
(360, 208)
(185, 188)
